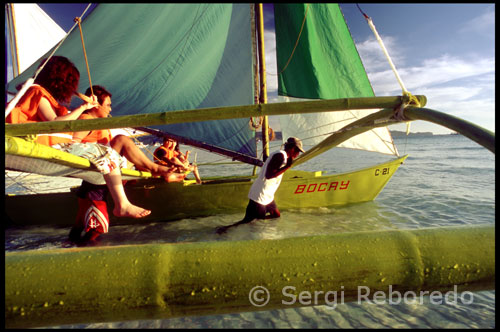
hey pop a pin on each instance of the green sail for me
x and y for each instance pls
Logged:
(324, 63)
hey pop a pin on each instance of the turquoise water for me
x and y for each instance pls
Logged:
(446, 181)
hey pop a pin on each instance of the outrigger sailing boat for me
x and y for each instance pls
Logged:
(203, 65)
(190, 71)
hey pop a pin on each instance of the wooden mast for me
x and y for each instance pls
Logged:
(12, 38)
(262, 76)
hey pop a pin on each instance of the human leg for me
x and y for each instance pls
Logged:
(254, 211)
(272, 208)
(127, 148)
(196, 174)
(108, 162)
(123, 207)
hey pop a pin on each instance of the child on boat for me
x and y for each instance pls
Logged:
(169, 154)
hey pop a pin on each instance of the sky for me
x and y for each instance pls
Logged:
(443, 51)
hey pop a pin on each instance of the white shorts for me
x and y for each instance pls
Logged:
(103, 157)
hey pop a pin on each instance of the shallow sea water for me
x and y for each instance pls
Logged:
(446, 181)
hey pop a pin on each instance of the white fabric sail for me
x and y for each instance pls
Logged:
(36, 33)
(315, 127)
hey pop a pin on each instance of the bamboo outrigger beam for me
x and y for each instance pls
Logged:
(207, 114)
(478, 134)
(67, 286)
(385, 117)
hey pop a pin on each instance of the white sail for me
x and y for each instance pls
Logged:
(313, 128)
(36, 33)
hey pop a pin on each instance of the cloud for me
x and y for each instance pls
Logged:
(432, 72)
(483, 24)
(373, 57)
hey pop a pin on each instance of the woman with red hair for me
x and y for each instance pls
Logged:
(56, 84)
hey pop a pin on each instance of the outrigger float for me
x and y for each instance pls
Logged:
(98, 284)
(68, 286)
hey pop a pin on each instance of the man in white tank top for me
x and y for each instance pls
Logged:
(261, 195)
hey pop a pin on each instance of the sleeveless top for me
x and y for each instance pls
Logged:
(263, 190)
(26, 111)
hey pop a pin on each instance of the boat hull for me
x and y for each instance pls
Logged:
(173, 201)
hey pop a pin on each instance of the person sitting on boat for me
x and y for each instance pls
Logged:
(169, 154)
(92, 216)
(58, 82)
(183, 158)
(261, 194)
(120, 143)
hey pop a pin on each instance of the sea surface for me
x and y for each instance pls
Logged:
(446, 181)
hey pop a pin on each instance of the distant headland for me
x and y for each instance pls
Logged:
(397, 133)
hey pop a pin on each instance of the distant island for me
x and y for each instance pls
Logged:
(397, 133)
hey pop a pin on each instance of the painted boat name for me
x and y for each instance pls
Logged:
(301, 188)
(325, 186)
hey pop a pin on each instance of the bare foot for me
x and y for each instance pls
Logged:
(174, 177)
(131, 211)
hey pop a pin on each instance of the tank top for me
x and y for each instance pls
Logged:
(263, 190)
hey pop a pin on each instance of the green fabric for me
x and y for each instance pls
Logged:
(166, 280)
(325, 63)
(162, 57)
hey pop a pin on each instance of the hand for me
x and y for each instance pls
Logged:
(92, 104)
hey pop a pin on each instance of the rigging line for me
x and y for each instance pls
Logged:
(390, 145)
(21, 175)
(381, 43)
(236, 132)
(60, 43)
(297, 42)
(136, 141)
(326, 125)
(78, 20)
(412, 99)
(20, 184)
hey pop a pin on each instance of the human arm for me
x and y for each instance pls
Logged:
(274, 168)
(183, 158)
(48, 113)
(80, 135)
(178, 162)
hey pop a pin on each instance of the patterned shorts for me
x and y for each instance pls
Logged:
(103, 157)
(92, 215)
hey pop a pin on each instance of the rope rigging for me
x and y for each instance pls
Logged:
(410, 99)
(78, 20)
